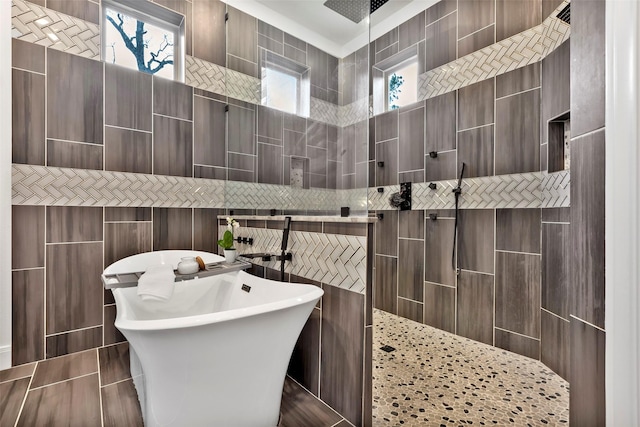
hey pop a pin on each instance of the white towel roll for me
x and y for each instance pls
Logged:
(157, 283)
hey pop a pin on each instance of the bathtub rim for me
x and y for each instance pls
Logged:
(313, 293)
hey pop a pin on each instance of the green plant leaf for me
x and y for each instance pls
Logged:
(227, 240)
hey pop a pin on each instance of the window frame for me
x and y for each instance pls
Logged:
(382, 70)
(155, 15)
(281, 64)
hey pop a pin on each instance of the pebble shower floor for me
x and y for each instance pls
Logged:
(434, 378)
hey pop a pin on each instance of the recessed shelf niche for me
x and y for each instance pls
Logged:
(559, 137)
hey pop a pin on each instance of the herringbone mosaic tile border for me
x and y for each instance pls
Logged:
(336, 259)
(46, 27)
(517, 51)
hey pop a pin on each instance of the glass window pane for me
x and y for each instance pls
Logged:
(403, 86)
(281, 90)
(139, 45)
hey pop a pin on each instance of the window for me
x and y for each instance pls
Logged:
(395, 81)
(402, 84)
(285, 84)
(143, 36)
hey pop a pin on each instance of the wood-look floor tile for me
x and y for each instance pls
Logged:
(11, 397)
(17, 372)
(120, 405)
(114, 363)
(69, 403)
(301, 408)
(65, 367)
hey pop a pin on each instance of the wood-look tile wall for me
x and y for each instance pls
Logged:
(336, 341)
(513, 287)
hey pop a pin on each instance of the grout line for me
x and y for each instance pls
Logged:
(73, 243)
(314, 396)
(477, 31)
(69, 331)
(27, 269)
(587, 323)
(95, 144)
(115, 382)
(172, 117)
(409, 299)
(554, 314)
(126, 128)
(64, 381)
(440, 19)
(28, 71)
(24, 399)
(516, 333)
(100, 383)
(426, 282)
(516, 252)
(475, 127)
(518, 93)
(556, 222)
(16, 379)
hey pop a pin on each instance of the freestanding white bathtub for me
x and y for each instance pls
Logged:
(217, 352)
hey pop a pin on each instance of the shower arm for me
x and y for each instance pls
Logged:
(457, 192)
(285, 241)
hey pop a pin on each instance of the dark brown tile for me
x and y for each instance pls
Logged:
(28, 117)
(241, 130)
(17, 372)
(344, 228)
(587, 375)
(120, 405)
(72, 342)
(476, 41)
(475, 149)
(518, 293)
(410, 269)
(476, 240)
(518, 80)
(386, 126)
(74, 402)
(301, 408)
(556, 215)
(114, 363)
(387, 234)
(475, 105)
(586, 236)
(517, 138)
(27, 56)
(513, 17)
(208, 172)
(74, 289)
(556, 252)
(441, 39)
(125, 239)
(437, 253)
(441, 123)
(317, 61)
(556, 87)
(440, 307)
(342, 352)
(544, 157)
(317, 160)
(209, 134)
(518, 343)
(126, 98)
(415, 176)
(205, 230)
(270, 164)
(83, 9)
(548, 6)
(271, 44)
(241, 35)
(300, 56)
(77, 155)
(242, 162)
(270, 127)
(387, 153)
(171, 98)
(209, 32)
(64, 368)
(411, 310)
(73, 224)
(172, 147)
(27, 236)
(127, 214)
(368, 382)
(127, 150)
(12, 394)
(171, 228)
(439, 10)
(386, 40)
(386, 284)
(27, 316)
(554, 343)
(305, 360)
(111, 334)
(587, 67)
(411, 140)
(411, 224)
(475, 306)
(74, 98)
(411, 31)
(184, 8)
(518, 230)
(474, 15)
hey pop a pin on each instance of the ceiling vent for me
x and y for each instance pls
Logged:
(354, 10)
(565, 14)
